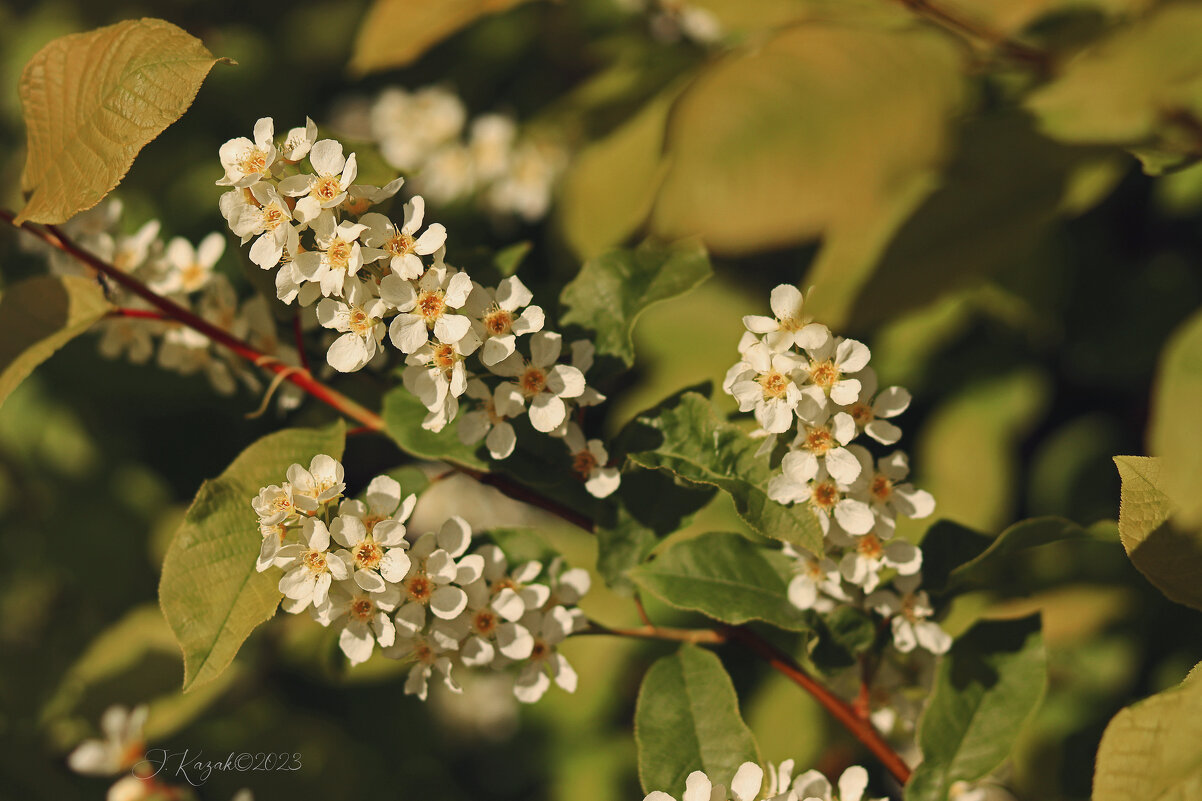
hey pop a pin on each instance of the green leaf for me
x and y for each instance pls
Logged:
(403, 414)
(39, 316)
(1153, 749)
(93, 100)
(614, 289)
(1138, 86)
(687, 718)
(727, 578)
(987, 687)
(210, 592)
(509, 259)
(981, 562)
(697, 447)
(785, 157)
(1169, 556)
(610, 186)
(395, 33)
(1175, 432)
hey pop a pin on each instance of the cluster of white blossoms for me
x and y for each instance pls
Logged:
(748, 785)
(352, 565)
(817, 390)
(123, 751)
(186, 274)
(375, 277)
(426, 133)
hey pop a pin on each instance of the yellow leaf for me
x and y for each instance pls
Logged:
(397, 32)
(93, 100)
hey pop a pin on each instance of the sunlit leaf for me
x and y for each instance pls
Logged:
(1153, 749)
(39, 316)
(93, 100)
(1175, 430)
(403, 414)
(210, 592)
(1169, 555)
(688, 719)
(397, 32)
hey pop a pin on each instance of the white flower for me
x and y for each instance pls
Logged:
(789, 327)
(320, 484)
(299, 141)
(428, 307)
(824, 495)
(544, 385)
(410, 126)
(128, 252)
(429, 651)
(862, 564)
(491, 144)
(361, 197)
(525, 187)
(377, 556)
(813, 786)
(363, 618)
(831, 363)
(448, 174)
(268, 218)
(403, 248)
(310, 567)
(589, 462)
(909, 613)
(545, 662)
(247, 162)
(513, 592)
(190, 268)
(489, 630)
(274, 504)
(359, 320)
(384, 505)
(583, 354)
(326, 189)
(188, 352)
(128, 336)
(499, 323)
(275, 536)
(340, 258)
(872, 414)
(744, 787)
(121, 748)
(891, 498)
(820, 442)
(432, 574)
(491, 422)
(816, 576)
(767, 382)
(567, 586)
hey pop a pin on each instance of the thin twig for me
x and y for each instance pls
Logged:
(709, 636)
(138, 314)
(965, 26)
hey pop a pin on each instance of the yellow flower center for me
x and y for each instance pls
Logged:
(533, 381)
(775, 384)
(431, 304)
(367, 554)
(498, 322)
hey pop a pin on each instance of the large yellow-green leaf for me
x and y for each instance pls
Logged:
(1175, 429)
(1132, 87)
(210, 592)
(1168, 554)
(397, 32)
(1153, 749)
(823, 122)
(687, 719)
(93, 100)
(39, 316)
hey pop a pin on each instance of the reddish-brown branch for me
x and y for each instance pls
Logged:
(298, 334)
(708, 636)
(138, 314)
(862, 730)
